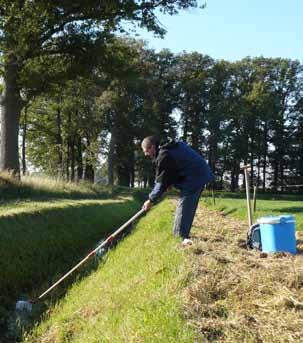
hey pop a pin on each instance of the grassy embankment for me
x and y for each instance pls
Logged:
(148, 291)
(135, 293)
(134, 296)
(46, 227)
(234, 205)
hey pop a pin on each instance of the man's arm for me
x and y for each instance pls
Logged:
(166, 175)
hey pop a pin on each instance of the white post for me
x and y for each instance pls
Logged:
(245, 168)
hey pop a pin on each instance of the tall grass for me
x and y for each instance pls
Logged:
(45, 188)
(134, 296)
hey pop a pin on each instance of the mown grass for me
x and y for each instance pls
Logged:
(235, 205)
(242, 295)
(134, 296)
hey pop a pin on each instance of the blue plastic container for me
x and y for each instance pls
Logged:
(278, 234)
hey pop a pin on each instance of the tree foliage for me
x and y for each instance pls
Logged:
(249, 111)
(46, 42)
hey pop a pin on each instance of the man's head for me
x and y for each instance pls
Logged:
(149, 146)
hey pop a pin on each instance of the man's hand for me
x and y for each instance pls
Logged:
(147, 205)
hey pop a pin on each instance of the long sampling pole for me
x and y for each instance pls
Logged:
(27, 304)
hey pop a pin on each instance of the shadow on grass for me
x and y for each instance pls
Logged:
(260, 196)
(230, 211)
(37, 249)
(292, 209)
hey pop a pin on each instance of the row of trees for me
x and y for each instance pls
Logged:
(250, 111)
(78, 96)
(43, 43)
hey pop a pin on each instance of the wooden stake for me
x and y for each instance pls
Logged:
(255, 198)
(214, 198)
(249, 215)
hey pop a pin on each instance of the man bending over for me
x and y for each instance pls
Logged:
(179, 166)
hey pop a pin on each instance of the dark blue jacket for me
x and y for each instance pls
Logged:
(180, 166)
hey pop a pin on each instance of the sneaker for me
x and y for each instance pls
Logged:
(186, 242)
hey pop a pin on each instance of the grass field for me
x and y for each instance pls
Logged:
(148, 290)
(145, 289)
(234, 204)
(134, 296)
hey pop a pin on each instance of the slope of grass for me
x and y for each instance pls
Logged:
(46, 228)
(234, 204)
(44, 188)
(134, 296)
(41, 242)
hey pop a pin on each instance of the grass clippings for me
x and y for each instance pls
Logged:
(240, 295)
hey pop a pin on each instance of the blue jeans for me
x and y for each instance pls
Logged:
(185, 212)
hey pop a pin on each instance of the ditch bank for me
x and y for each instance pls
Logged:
(42, 242)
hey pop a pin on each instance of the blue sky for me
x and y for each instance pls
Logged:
(234, 29)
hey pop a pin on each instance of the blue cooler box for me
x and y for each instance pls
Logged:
(278, 233)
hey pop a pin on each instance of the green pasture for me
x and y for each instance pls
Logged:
(235, 204)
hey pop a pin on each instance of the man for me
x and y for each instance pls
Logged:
(180, 166)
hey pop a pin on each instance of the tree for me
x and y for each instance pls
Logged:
(219, 93)
(37, 35)
(287, 92)
(63, 131)
(193, 89)
(137, 104)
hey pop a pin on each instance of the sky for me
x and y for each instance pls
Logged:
(234, 29)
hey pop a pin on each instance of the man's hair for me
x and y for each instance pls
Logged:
(149, 141)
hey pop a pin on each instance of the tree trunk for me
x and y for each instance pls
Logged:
(79, 159)
(59, 144)
(72, 159)
(132, 177)
(259, 152)
(110, 158)
(265, 138)
(213, 149)
(276, 172)
(24, 131)
(89, 173)
(232, 180)
(282, 176)
(234, 185)
(123, 175)
(67, 161)
(11, 105)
